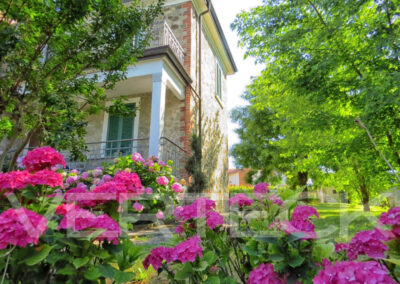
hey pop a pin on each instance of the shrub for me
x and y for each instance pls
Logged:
(67, 226)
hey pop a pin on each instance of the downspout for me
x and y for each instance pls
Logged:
(200, 69)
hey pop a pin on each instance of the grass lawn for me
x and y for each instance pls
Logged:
(341, 221)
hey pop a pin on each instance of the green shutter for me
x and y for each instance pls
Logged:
(120, 128)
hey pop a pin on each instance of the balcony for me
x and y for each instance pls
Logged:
(162, 35)
(98, 153)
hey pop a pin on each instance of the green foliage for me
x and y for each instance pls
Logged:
(47, 49)
(327, 64)
(194, 167)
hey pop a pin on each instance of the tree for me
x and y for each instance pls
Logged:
(327, 64)
(50, 53)
(193, 167)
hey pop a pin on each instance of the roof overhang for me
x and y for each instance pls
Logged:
(216, 35)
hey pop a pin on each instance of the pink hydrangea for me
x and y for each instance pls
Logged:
(63, 209)
(130, 180)
(188, 250)
(149, 191)
(264, 274)
(138, 207)
(162, 180)
(136, 157)
(347, 272)
(304, 228)
(20, 227)
(304, 213)
(157, 256)
(85, 176)
(77, 219)
(81, 196)
(112, 228)
(42, 158)
(341, 247)
(46, 177)
(214, 219)
(179, 230)
(15, 180)
(97, 172)
(177, 187)
(197, 209)
(368, 243)
(261, 189)
(276, 200)
(160, 215)
(392, 218)
(110, 191)
(241, 200)
(71, 179)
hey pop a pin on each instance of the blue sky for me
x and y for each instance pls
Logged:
(227, 11)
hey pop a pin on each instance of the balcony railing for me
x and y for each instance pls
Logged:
(98, 153)
(162, 35)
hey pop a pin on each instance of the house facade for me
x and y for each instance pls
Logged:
(185, 65)
(237, 177)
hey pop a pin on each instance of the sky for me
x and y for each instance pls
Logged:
(227, 11)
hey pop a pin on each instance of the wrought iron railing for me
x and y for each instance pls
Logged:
(162, 35)
(172, 151)
(98, 153)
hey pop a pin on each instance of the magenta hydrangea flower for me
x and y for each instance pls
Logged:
(347, 272)
(76, 218)
(177, 187)
(160, 215)
(136, 157)
(264, 274)
(20, 227)
(368, 243)
(46, 177)
(179, 230)
(130, 180)
(341, 247)
(241, 200)
(304, 228)
(81, 196)
(138, 207)
(261, 189)
(112, 232)
(157, 256)
(392, 218)
(63, 209)
(304, 213)
(162, 180)
(214, 219)
(42, 158)
(149, 191)
(85, 176)
(197, 209)
(15, 180)
(110, 191)
(276, 200)
(188, 250)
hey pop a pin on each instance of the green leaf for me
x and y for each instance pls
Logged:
(79, 262)
(296, 236)
(68, 270)
(213, 280)
(40, 254)
(107, 270)
(276, 257)
(210, 257)
(92, 273)
(322, 251)
(296, 261)
(392, 260)
(123, 277)
(185, 272)
(201, 266)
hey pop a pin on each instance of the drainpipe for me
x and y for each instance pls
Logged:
(200, 64)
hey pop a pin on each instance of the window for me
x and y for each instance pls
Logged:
(120, 134)
(219, 82)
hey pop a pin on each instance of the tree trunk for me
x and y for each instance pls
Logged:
(303, 178)
(19, 151)
(365, 197)
(9, 146)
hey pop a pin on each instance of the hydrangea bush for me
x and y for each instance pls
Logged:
(66, 226)
(271, 239)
